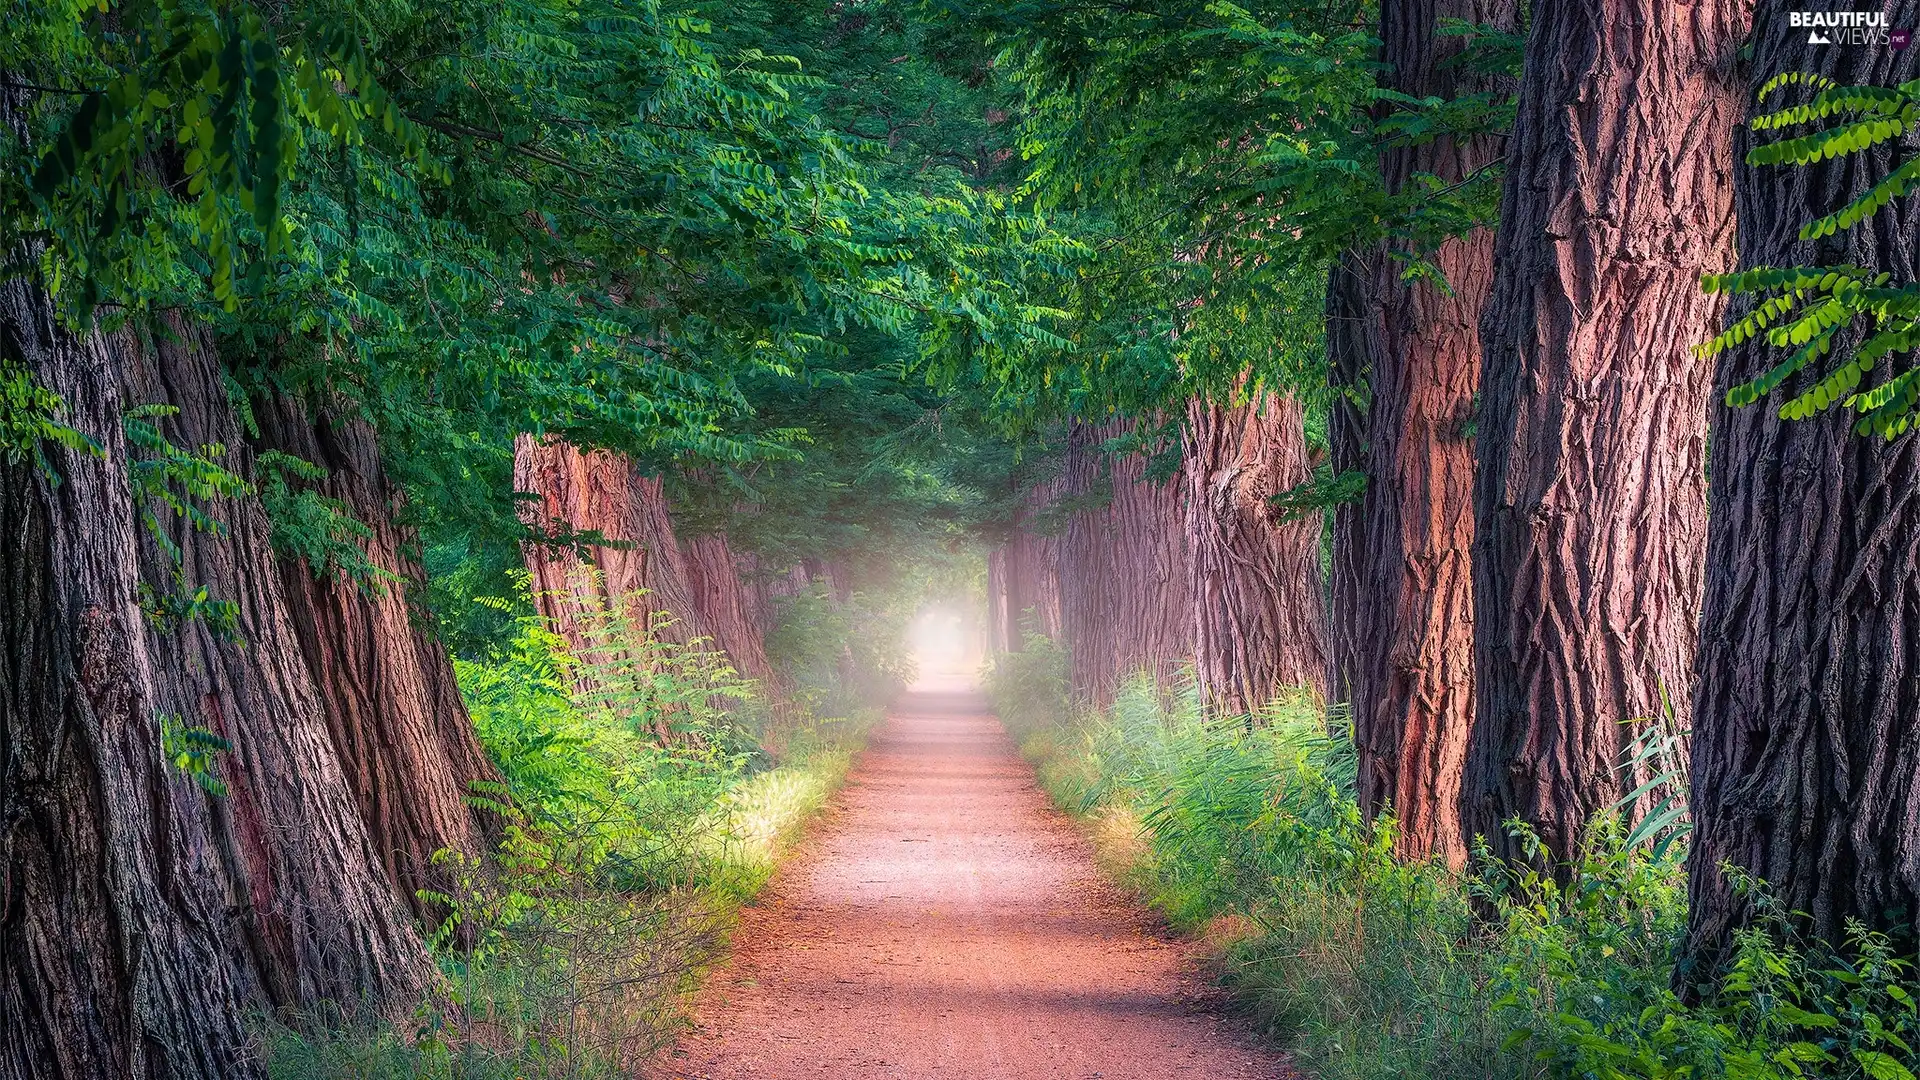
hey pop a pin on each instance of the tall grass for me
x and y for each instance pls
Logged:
(1245, 832)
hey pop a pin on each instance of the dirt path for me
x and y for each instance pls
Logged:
(945, 922)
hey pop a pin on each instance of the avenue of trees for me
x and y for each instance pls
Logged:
(1510, 226)
(1357, 346)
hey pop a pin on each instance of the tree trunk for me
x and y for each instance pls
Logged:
(1034, 555)
(1412, 692)
(698, 584)
(1590, 498)
(598, 491)
(719, 593)
(394, 712)
(1002, 595)
(767, 589)
(1124, 573)
(1024, 578)
(115, 954)
(1258, 609)
(142, 919)
(1806, 756)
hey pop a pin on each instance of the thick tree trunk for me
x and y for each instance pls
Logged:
(718, 589)
(1258, 606)
(397, 721)
(323, 913)
(142, 919)
(115, 956)
(1806, 757)
(1124, 571)
(1590, 497)
(1412, 692)
(600, 492)
(698, 584)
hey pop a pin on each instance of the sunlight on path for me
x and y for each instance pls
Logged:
(946, 922)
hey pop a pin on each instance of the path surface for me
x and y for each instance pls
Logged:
(945, 922)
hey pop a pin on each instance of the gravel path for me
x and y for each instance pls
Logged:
(944, 921)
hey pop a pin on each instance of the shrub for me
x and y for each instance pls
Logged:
(1029, 687)
(840, 655)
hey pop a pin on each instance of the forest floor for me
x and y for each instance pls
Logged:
(944, 921)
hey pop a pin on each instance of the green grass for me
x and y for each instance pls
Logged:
(767, 811)
(1245, 833)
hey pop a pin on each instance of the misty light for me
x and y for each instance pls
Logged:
(944, 647)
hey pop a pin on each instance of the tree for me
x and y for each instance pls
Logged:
(721, 595)
(1123, 564)
(230, 206)
(1023, 570)
(398, 725)
(1410, 685)
(1199, 286)
(644, 570)
(1804, 747)
(183, 846)
(1258, 609)
(1590, 508)
(1224, 162)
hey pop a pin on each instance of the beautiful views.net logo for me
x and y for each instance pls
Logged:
(1848, 28)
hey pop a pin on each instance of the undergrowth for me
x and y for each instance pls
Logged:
(638, 809)
(1244, 831)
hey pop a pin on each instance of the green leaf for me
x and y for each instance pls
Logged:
(1881, 1066)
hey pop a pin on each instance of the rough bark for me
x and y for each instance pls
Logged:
(699, 583)
(717, 587)
(1412, 684)
(1352, 330)
(395, 715)
(1590, 497)
(113, 961)
(141, 918)
(1805, 750)
(600, 492)
(1124, 570)
(1258, 605)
